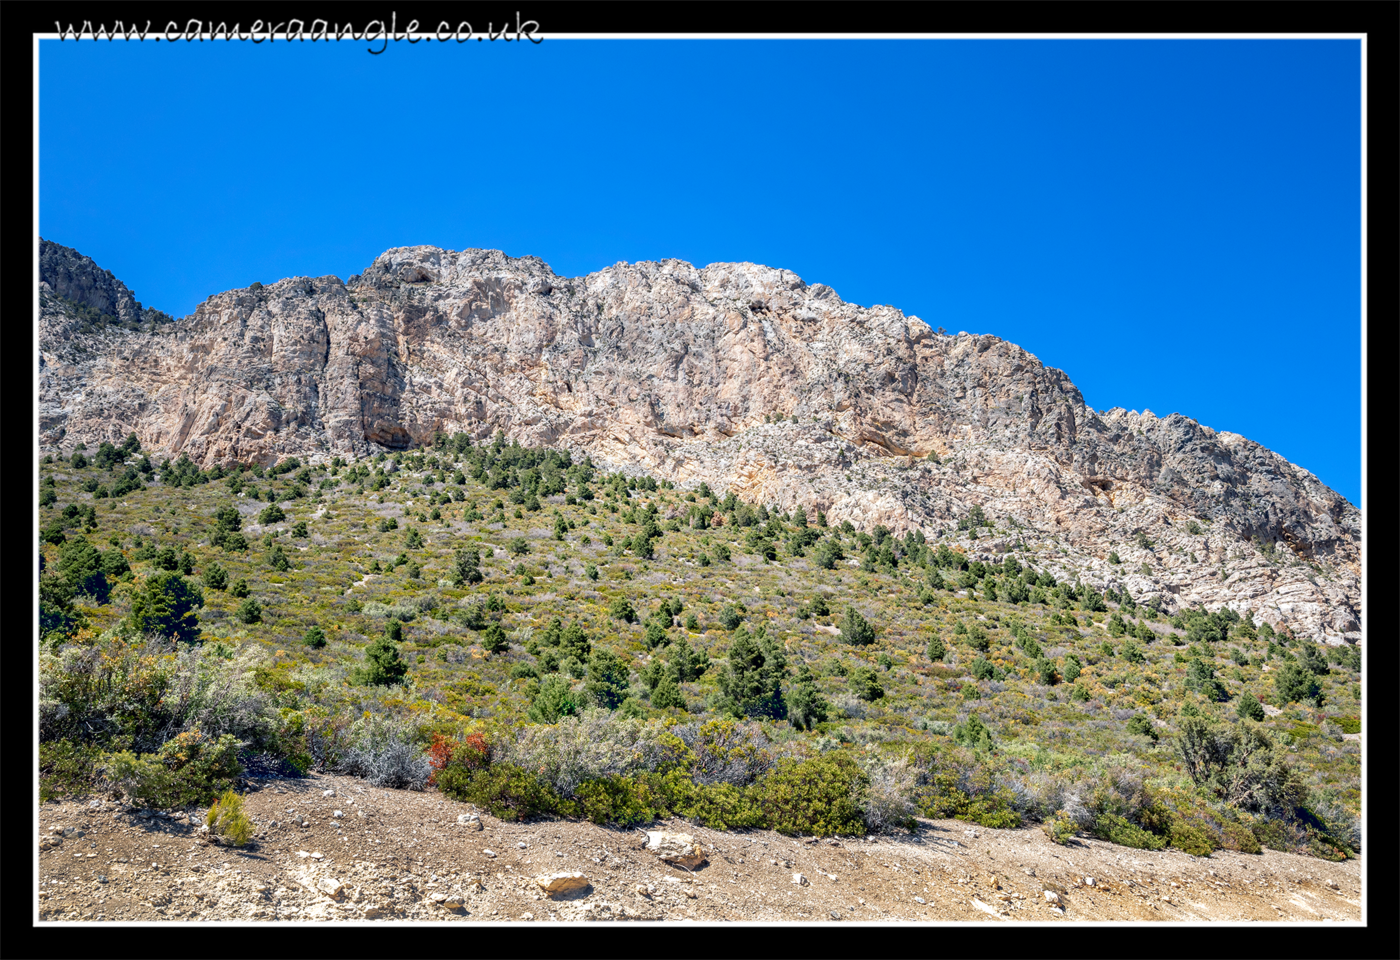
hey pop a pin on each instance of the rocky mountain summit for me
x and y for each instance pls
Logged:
(739, 375)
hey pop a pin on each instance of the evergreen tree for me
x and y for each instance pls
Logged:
(855, 629)
(751, 686)
(383, 665)
(667, 693)
(81, 564)
(806, 706)
(937, 649)
(165, 604)
(554, 701)
(1249, 707)
(466, 567)
(215, 577)
(607, 680)
(315, 638)
(493, 639)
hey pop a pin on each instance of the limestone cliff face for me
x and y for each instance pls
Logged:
(683, 373)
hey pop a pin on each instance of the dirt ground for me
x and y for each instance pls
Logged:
(395, 855)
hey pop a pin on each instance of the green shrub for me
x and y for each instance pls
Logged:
(189, 769)
(508, 792)
(816, 796)
(621, 609)
(67, 767)
(227, 820)
(1059, 828)
(1190, 838)
(624, 801)
(1142, 726)
(315, 638)
(271, 513)
(1116, 829)
(865, 684)
(720, 806)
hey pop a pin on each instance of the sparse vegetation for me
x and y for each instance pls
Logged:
(644, 651)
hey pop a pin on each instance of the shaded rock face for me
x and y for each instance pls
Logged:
(683, 373)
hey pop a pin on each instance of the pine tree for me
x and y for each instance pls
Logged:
(752, 684)
(806, 706)
(607, 680)
(383, 665)
(855, 629)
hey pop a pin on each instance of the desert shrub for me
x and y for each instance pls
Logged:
(1239, 764)
(382, 750)
(719, 806)
(509, 792)
(814, 796)
(724, 751)
(1142, 726)
(594, 745)
(227, 821)
(959, 783)
(453, 762)
(888, 800)
(187, 769)
(404, 612)
(625, 801)
(1060, 828)
(1116, 829)
(67, 767)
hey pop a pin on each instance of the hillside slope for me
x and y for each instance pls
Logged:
(741, 376)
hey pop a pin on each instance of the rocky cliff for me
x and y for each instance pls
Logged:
(739, 375)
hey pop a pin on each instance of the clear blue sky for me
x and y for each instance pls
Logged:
(1176, 224)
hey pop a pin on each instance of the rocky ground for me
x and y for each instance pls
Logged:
(336, 849)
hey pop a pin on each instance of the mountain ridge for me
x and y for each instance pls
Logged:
(738, 375)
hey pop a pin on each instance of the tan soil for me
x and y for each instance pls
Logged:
(407, 858)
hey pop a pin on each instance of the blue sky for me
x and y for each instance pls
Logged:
(1176, 224)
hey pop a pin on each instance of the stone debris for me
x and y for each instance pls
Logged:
(564, 884)
(676, 848)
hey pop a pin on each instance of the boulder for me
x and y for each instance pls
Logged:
(564, 884)
(675, 848)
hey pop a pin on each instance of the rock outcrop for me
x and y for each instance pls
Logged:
(741, 376)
